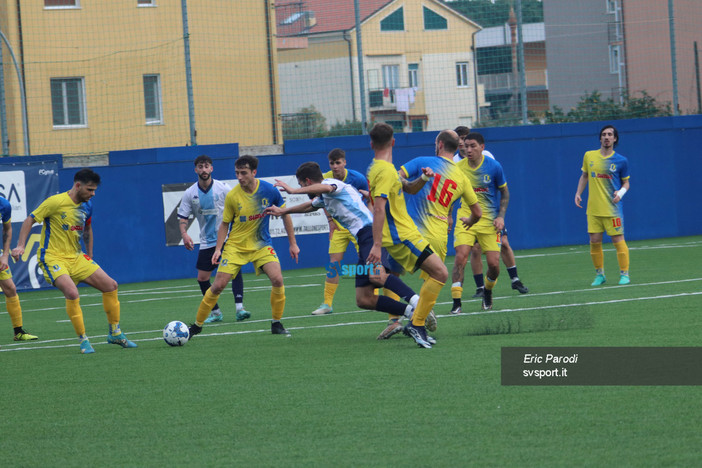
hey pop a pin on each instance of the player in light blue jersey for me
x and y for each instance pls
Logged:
(339, 237)
(204, 200)
(345, 205)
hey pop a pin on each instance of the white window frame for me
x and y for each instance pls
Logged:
(144, 4)
(64, 104)
(62, 7)
(462, 74)
(615, 59)
(157, 99)
(413, 75)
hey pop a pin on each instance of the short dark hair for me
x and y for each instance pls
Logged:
(203, 158)
(449, 140)
(381, 134)
(86, 176)
(309, 170)
(475, 136)
(246, 160)
(614, 130)
(336, 154)
(462, 131)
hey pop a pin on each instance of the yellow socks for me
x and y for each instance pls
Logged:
(427, 298)
(329, 291)
(490, 283)
(76, 315)
(456, 292)
(15, 310)
(622, 256)
(110, 303)
(597, 256)
(206, 305)
(278, 302)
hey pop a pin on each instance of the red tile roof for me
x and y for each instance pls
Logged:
(331, 15)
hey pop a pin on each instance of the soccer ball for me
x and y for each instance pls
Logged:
(176, 333)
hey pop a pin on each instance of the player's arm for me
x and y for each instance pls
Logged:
(378, 222)
(88, 239)
(221, 237)
(582, 183)
(499, 221)
(619, 194)
(6, 238)
(417, 184)
(475, 213)
(187, 240)
(290, 230)
(301, 208)
(22, 238)
(314, 189)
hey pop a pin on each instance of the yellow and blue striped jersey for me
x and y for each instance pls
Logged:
(486, 180)
(431, 206)
(64, 222)
(248, 226)
(605, 175)
(384, 181)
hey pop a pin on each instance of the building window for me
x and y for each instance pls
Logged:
(146, 2)
(395, 21)
(434, 21)
(68, 102)
(152, 99)
(462, 74)
(614, 51)
(398, 126)
(417, 125)
(391, 79)
(413, 74)
(61, 4)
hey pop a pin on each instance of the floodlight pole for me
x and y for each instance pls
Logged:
(361, 80)
(23, 97)
(188, 72)
(673, 60)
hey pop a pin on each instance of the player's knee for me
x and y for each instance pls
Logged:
(365, 302)
(277, 282)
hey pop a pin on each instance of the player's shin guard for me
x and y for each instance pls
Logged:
(75, 314)
(208, 302)
(622, 256)
(490, 283)
(110, 303)
(15, 310)
(329, 291)
(597, 256)
(456, 291)
(427, 298)
(278, 302)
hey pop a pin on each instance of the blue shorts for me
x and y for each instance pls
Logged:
(365, 244)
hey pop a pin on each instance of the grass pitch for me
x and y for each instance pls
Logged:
(334, 395)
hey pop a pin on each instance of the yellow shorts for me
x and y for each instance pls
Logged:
(5, 274)
(489, 239)
(232, 261)
(438, 245)
(339, 241)
(612, 226)
(78, 267)
(409, 252)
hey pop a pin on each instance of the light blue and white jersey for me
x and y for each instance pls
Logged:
(207, 207)
(345, 205)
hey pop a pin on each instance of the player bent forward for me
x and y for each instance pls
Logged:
(66, 216)
(245, 229)
(345, 205)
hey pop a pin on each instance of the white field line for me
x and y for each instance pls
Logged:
(44, 344)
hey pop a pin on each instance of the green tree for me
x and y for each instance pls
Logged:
(308, 122)
(592, 107)
(347, 127)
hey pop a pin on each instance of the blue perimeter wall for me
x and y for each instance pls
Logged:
(542, 165)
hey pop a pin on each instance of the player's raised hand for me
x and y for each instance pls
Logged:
(283, 185)
(427, 171)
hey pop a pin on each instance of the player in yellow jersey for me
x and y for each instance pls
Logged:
(67, 217)
(395, 230)
(608, 175)
(490, 185)
(6, 284)
(244, 237)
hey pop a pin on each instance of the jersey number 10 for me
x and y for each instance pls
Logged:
(446, 193)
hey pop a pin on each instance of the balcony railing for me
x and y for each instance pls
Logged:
(534, 78)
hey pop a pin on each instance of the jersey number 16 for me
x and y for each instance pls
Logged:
(446, 193)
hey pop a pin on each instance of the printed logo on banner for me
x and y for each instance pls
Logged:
(13, 189)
